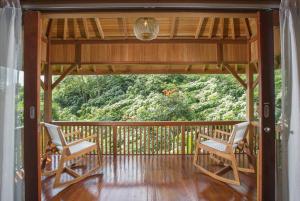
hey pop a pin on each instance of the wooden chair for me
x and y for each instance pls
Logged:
(223, 152)
(69, 152)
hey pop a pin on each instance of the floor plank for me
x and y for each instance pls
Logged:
(150, 178)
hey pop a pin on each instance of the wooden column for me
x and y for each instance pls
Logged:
(48, 87)
(266, 174)
(32, 63)
(250, 104)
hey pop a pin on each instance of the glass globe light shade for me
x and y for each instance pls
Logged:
(146, 28)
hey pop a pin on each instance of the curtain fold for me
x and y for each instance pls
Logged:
(10, 63)
(289, 166)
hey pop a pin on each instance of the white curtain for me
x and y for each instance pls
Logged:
(10, 57)
(289, 172)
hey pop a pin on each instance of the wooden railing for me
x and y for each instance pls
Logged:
(146, 138)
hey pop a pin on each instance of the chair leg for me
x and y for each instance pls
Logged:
(59, 170)
(196, 155)
(235, 169)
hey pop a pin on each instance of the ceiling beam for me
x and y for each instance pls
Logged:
(65, 28)
(232, 28)
(49, 26)
(247, 27)
(85, 28)
(173, 27)
(99, 28)
(157, 14)
(199, 27)
(211, 30)
(222, 27)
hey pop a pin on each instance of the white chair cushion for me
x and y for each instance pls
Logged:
(80, 146)
(215, 145)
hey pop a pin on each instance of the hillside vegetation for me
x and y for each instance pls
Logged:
(149, 98)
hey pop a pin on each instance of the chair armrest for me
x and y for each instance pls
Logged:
(212, 138)
(73, 133)
(79, 141)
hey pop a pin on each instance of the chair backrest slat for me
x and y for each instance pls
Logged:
(56, 135)
(239, 132)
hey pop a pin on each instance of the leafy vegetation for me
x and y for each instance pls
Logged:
(152, 98)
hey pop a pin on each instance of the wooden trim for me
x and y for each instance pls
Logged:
(85, 28)
(238, 78)
(48, 86)
(157, 13)
(65, 28)
(199, 27)
(266, 175)
(250, 103)
(134, 41)
(32, 72)
(222, 27)
(67, 72)
(49, 25)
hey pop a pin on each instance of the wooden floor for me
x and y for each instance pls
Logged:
(150, 178)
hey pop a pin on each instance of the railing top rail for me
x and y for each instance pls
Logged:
(146, 123)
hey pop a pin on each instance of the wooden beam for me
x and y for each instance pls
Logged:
(75, 27)
(255, 83)
(49, 26)
(32, 72)
(99, 28)
(247, 27)
(238, 78)
(85, 28)
(266, 175)
(250, 104)
(173, 27)
(211, 29)
(232, 28)
(222, 27)
(65, 28)
(188, 68)
(125, 27)
(155, 14)
(67, 72)
(42, 84)
(199, 27)
(48, 87)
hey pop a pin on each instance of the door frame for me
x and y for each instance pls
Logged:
(32, 72)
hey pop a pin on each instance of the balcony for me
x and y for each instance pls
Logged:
(150, 161)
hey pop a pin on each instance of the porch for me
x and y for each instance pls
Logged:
(150, 161)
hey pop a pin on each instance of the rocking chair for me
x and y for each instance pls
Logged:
(69, 152)
(223, 152)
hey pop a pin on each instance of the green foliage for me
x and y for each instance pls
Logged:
(149, 98)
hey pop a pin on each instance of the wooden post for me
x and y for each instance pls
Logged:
(48, 87)
(115, 133)
(266, 174)
(32, 63)
(250, 104)
(183, 139)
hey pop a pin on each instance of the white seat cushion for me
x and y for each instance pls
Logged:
(80, 146)
(215, 145)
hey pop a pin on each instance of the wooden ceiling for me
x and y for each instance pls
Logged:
(89, 43)
(175, 27)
